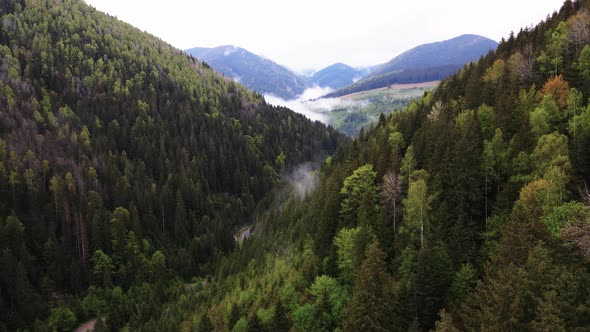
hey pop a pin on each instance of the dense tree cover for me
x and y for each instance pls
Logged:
(253, 71)
(399, 77)
(124, 167)
(465, 211)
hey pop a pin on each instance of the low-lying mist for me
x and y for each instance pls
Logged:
(309, 105)
(303, 179)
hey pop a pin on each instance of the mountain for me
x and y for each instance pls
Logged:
(456, 51)
(410, 76)
(427, 62)
(336, 76)
(125, 167)
(468, 210)
(253, 71)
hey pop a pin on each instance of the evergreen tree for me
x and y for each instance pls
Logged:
(370, 306)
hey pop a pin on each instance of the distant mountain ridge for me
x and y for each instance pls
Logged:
(427, 62)
(337, 76)
(455, 51)
(253, 71)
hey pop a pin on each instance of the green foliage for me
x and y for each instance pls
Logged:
(497, 159)
(370, 306)
(328, 305)
(540, 122)
(485, 115)
(416, 207)
(117, 148)
(551, 60)
(408, 163)
(445, 323)
(583, 63)
(563, 215)
(128, 165)
(548, 315)
(359, 197)
(351, 245)
(241, 325)
(495, 72)
(551, 150)
(396, 140)
(95, 302)
(62, 319)
(103, 269)
(463, 285)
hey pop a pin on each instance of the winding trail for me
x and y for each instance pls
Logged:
(88, 326)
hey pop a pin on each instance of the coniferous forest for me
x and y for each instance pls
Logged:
(126, 167)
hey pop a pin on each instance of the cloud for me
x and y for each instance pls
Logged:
(297, 106)
(314, 92)
(229, 50)
(303, 179)
(308, 104)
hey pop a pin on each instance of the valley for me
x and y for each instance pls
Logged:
(147, 188)
(351, 113)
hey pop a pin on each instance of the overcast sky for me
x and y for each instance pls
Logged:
(312, 34)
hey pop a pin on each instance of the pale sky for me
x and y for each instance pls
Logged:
(312, 34)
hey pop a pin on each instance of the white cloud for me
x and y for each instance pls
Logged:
(303, 179)
(309, 105)
(229, 50)
(296, 105)
(382, 28)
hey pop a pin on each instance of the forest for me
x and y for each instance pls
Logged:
(400, 77)
(126, 166)
(469, 210)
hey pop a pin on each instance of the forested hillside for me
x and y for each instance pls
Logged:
(407, 76)
(125, 166)
(469, 210)
(428, 62)
(253, 71)
(337, 76)
(455, 51)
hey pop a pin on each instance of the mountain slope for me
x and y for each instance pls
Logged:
(336, 76)
(468, 210)
(255, 72)
(427, 62)
(128, 165)
(456, 51)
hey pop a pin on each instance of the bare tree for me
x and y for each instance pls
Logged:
(585, 194)
(390, 192)
(526, 64)
(577, 233)
(578, 33)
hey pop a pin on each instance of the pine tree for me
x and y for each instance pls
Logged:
(282, 323)
(548, 319)
(370, 308)
(445, 324)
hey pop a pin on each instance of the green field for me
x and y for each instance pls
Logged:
(360, 110)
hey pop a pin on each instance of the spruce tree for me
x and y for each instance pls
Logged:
(370, 308)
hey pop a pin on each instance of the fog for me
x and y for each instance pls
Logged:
(303, 179)
(309, 105)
